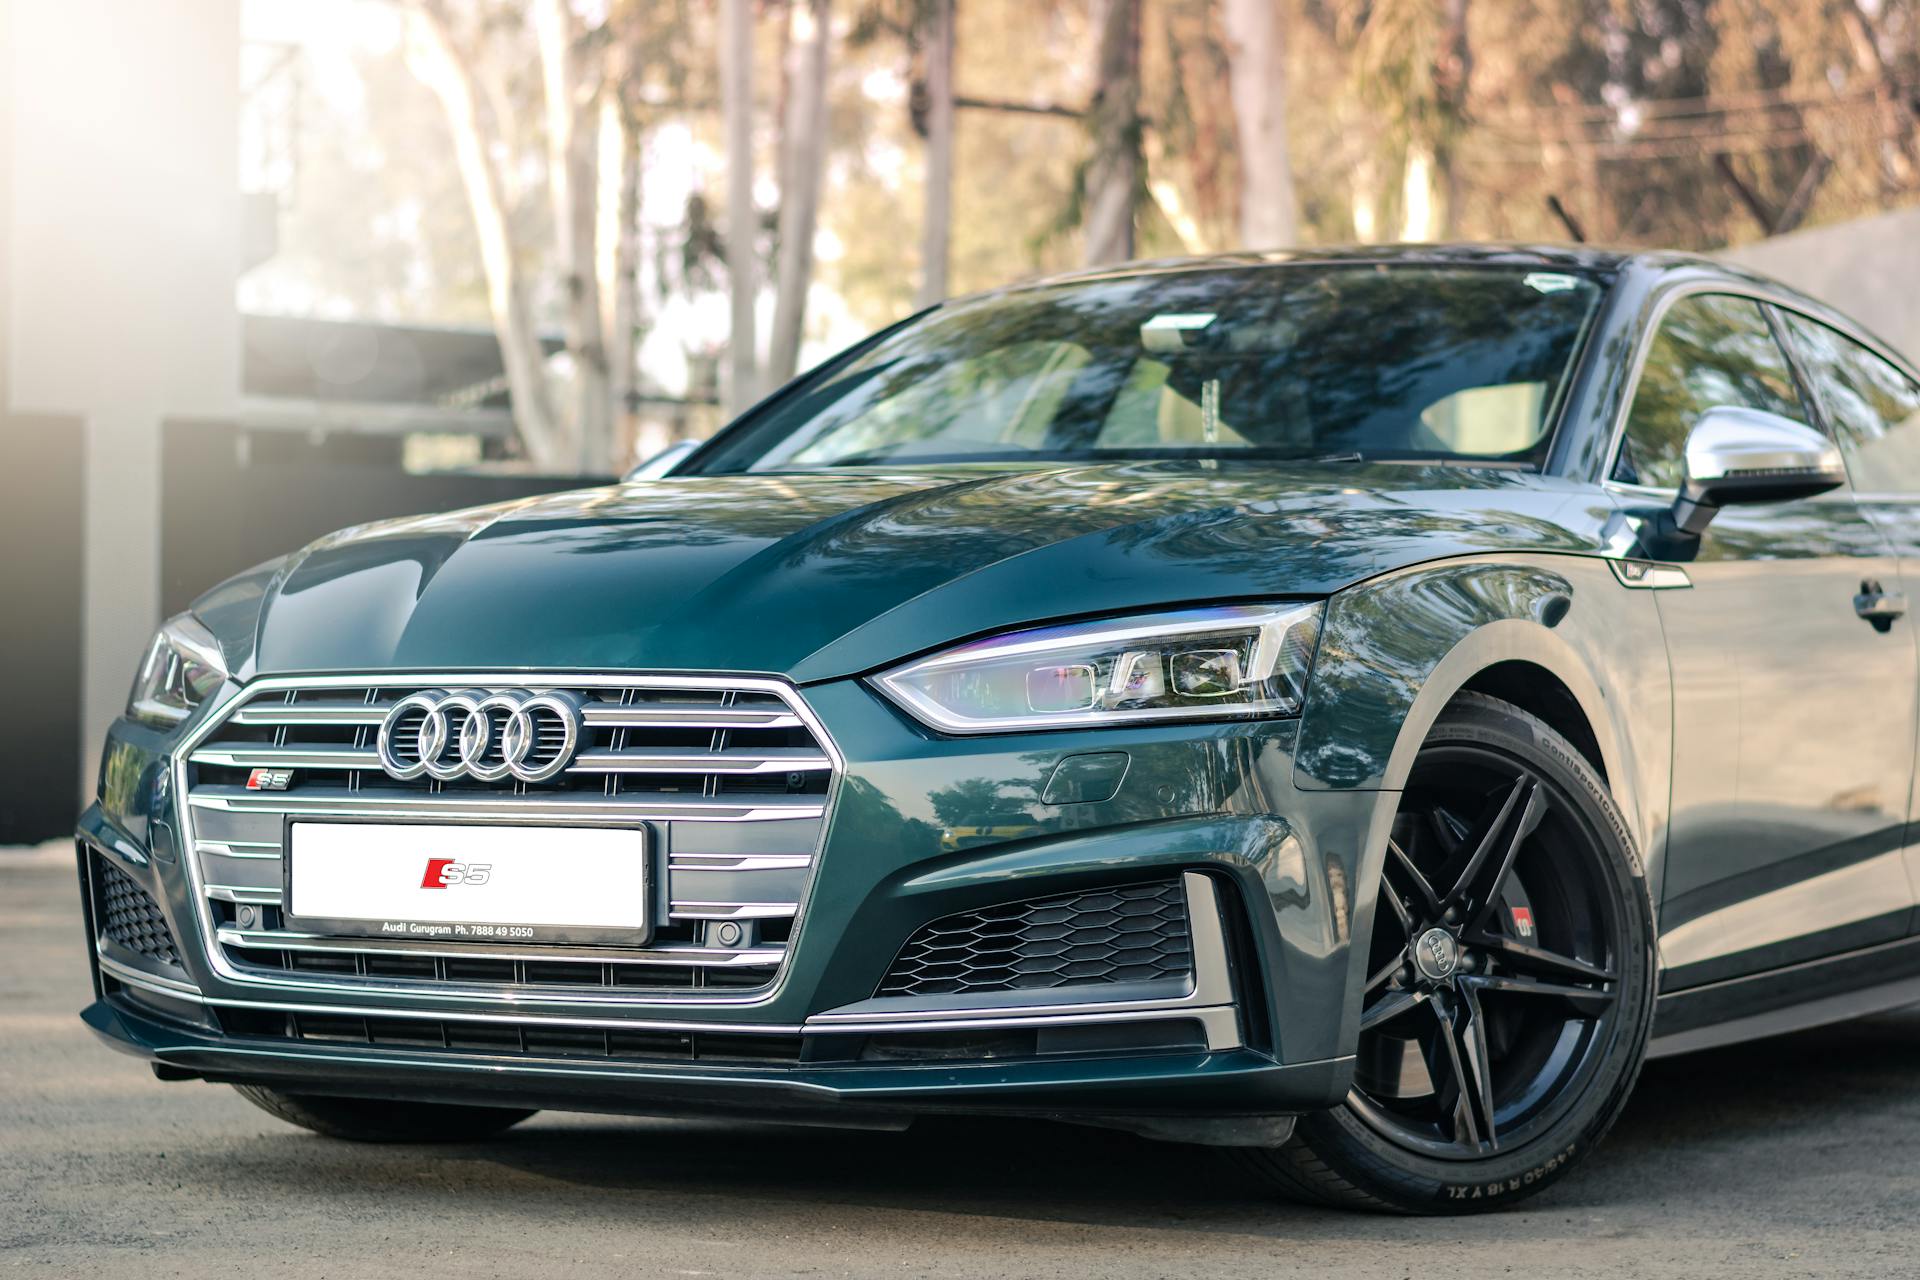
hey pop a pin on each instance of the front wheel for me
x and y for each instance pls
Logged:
(380, 1120)
(1510, 981)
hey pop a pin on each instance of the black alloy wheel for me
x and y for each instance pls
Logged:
(1509, 980)
(1493, 984)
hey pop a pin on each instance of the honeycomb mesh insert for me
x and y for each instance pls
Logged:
(1133, 933)
(129, 917)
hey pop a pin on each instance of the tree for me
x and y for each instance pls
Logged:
(803, 153)
(736, 69)
(573, 79)
(471, 56)
(936, 229)
(446, 65)
(1257, 62)
(1113, 175)
(1413, 63)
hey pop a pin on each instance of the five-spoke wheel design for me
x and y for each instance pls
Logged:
(1494, 972)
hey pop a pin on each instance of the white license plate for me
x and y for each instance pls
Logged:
(469, 883)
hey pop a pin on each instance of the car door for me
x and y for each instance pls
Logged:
(1872, 407)
(1794, 716)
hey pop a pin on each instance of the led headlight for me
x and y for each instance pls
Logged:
(1195, 664)
(182, 669)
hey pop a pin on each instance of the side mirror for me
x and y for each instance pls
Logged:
(661, 463)
(1748, 455)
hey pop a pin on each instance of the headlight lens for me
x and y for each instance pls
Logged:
(1196, 664)
(182, 669)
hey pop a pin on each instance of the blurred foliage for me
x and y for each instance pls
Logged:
(1684, 123)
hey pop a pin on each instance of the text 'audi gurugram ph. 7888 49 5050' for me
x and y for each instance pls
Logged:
(1347, 707)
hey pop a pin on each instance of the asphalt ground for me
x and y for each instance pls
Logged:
(1798, 1156)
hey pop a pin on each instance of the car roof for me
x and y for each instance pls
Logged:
(1574, 257)
(1601, 261)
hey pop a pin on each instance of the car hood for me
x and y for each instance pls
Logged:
(825, 575)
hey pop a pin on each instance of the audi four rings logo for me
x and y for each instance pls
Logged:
(483, 735)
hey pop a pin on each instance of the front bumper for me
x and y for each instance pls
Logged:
(1265, 1028)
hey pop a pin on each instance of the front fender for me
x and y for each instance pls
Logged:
(1396, 649)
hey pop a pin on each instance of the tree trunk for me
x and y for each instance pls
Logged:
(572, 94)
(736, 68)
(1420, 198)
(936, 228)
(1257, 72)
(619, 269)
(442, 67)
(1364, 199)
(1113, 174)
(803, 141)
(1898, 119)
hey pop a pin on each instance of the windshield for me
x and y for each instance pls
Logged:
(1355, 361)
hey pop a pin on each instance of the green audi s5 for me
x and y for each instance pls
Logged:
(1351, 708)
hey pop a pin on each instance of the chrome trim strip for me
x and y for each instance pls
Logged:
(741, 862)
(511, 808)
(243, 893)
(403, 1015)
(733, 910)
(530, 807)
(258, 849)
(632, 761)
(267, 756)
(1210, 998)
(314, 713)
(141, 978)
(705, 957)
(639, 715)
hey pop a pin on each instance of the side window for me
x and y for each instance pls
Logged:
(1873, 407)
(1711, 350)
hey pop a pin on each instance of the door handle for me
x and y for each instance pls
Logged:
(1879, 606)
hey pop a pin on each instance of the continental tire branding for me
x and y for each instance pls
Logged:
(1517, 1183)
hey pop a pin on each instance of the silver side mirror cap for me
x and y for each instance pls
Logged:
(661, 463)
(1737, 455)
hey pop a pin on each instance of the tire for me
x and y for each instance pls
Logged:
(381, 1120)
(1422, 1132)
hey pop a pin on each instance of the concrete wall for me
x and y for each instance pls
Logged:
(1868, 268)
(120, 163)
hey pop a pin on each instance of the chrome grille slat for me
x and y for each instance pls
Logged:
(731, 776)
(289, 940)
(268, 756)
(656, 716)
(314, 713)
(483, 806)
(734, 910)
(244, 893)
(730, 862)
(629, 760)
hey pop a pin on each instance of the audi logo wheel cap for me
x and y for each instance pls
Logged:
(482, 734)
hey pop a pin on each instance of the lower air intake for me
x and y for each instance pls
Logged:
(1133, 933)
(128, 916)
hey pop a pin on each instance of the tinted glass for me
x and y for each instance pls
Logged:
(1711, 351)
(1278, 362)
(1874, 409)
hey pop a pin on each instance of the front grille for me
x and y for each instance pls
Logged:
(529, 1039)
(1134, 933)
(128, 916)
(728, 777)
